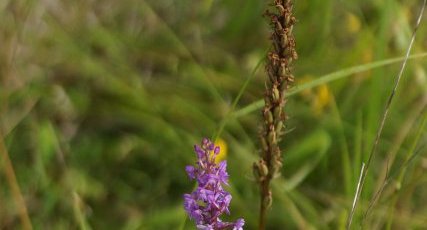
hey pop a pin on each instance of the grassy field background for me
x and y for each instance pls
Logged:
(101, 103)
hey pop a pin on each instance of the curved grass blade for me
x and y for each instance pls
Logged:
(329, 78)
(236, 100)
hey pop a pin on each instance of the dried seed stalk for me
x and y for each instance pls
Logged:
(278, 69)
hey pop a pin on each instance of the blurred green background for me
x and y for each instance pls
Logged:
(101, 103)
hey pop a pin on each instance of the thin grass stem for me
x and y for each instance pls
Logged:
(387, 107)
(403, 170)
(14, 187)
(236, 100)
(356, 197)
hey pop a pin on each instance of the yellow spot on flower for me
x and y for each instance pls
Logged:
(223, 150)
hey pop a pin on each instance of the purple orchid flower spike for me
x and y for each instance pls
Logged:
(209, 201)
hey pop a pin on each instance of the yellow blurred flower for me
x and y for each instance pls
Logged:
(223, 150)
(353, 23)
(367, 55)
(319, 98)
(322, 99)
(406, 12)
(306, 93)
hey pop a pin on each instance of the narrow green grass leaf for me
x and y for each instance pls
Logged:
(345, 153)
(204, 75)
(310, 151)
(292, 209)
(79, 215)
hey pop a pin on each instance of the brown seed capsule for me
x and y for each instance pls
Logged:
(276, 162)
(280, 8)
(272, 138)
(268, 70)
(268, 200)
(277, 111)
(277, 158)
(267, 101)
(293, 20)
(294, 54)
(278, 26)
(290, 29)
(283, 88)
(276, 95)
(263, 169)
(268, 116)
(279, 126)
(285, 40)
(282, 70)
(276, 154)
(290, 78)
(287, 19)
(264, 144)
(272, 77)
(274, 58)
(276, 43)
(292, 41)
(286, 52)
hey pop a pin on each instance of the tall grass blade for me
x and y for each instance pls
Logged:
(77, 208)
(14, 186)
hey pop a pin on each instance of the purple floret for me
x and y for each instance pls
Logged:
(209, 200)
